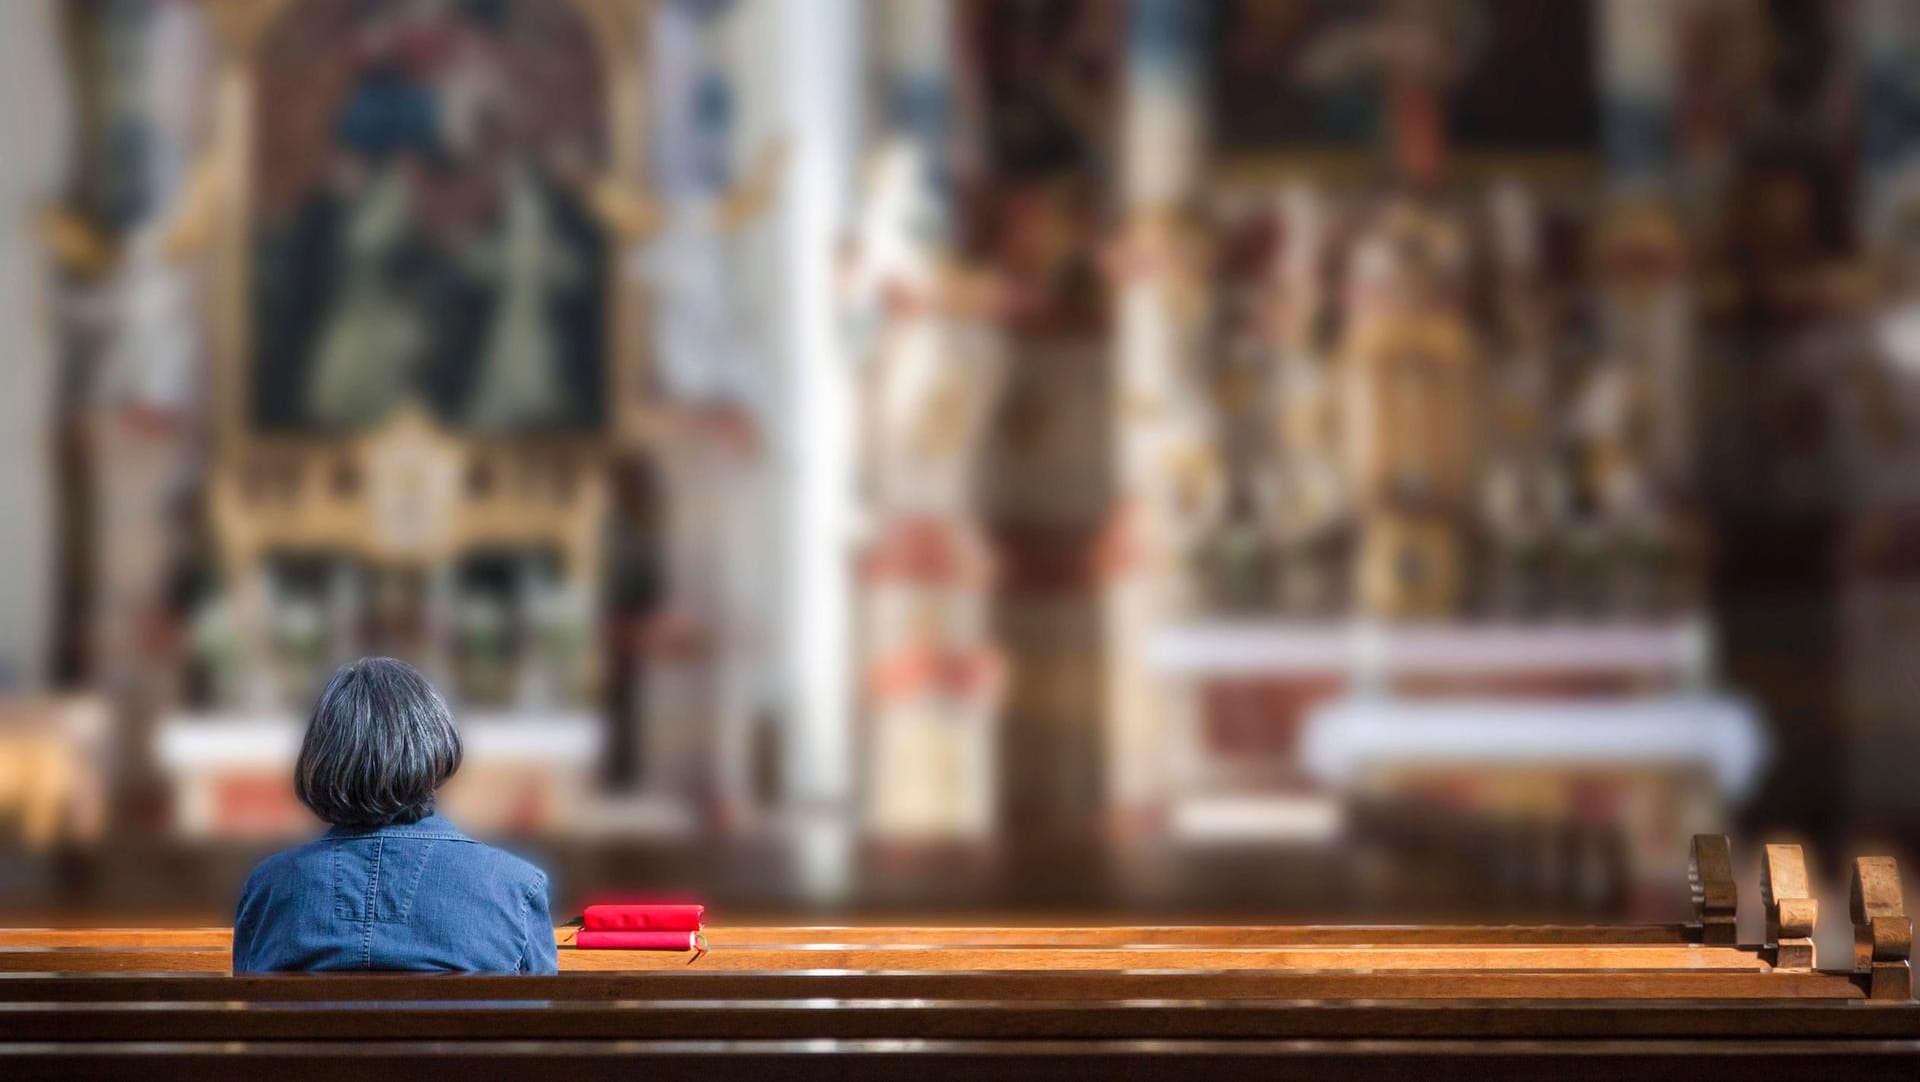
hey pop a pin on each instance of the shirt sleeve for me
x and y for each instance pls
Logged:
(246, 919)
(541, 957)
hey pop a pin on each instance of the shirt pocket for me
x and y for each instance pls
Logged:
(375, 879)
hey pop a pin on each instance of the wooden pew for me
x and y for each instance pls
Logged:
(1037, 937)
(830, 956)
(1026, 985)
(1654, 1001)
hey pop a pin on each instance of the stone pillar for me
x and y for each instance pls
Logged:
(809, 91)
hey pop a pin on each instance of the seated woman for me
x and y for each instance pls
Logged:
(392, 885)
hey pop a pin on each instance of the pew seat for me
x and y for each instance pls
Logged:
(1196, 1001)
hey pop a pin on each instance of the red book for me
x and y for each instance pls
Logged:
(643, 918)
(589, 939)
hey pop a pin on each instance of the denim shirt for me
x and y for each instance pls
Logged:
(418, 896)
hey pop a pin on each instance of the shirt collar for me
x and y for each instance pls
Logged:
(431, 824)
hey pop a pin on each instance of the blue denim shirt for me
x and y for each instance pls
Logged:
(419, 896)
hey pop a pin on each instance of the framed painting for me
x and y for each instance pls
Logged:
(418, 229)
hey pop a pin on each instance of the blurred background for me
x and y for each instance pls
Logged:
(1271, 459)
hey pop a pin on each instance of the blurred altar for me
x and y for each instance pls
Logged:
(1284, 457)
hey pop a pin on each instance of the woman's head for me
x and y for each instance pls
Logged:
(380, 742)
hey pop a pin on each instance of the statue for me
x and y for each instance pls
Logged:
(1883, 402)
(146, 301)
(521, 381)
(370, 344)
(932, 361)
(1523, 498)
(932, 366)
(1312, 515)
(703, 643)
(1169, 410)
(1409, 374)
(1632, 419)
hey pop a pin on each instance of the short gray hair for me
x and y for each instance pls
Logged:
(379, 743)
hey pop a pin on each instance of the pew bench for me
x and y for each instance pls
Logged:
(1659, 1000)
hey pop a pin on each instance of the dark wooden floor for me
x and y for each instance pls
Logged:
(852, 1060)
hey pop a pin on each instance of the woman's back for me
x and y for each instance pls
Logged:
(392, 885)
(418, 896)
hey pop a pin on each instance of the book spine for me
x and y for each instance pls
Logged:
(664, 918)
(589, 939)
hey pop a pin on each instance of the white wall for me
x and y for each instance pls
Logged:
(33, 134)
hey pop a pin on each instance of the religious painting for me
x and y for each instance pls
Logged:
(1045, 77)
(420, 235)
(1292, 76)
(1284, 76)
(1548, 52)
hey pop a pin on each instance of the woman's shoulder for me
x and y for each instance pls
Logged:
(485, 871)
(513, 868)
(296, 863)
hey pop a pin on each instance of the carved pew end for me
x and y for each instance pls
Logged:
(1791, 907)
(1710, 873)
(1882, 933)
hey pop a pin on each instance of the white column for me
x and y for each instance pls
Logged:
(812, 76)
(33, 145)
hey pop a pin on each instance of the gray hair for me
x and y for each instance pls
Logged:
(378, 745)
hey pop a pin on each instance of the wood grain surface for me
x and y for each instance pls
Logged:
(1028, 937)
(840, 957)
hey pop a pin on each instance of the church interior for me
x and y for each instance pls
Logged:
(1265, 459)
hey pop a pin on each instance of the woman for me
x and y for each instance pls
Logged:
(392, 885)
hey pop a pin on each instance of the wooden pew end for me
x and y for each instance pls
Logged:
(1710, 873)
(1882, 933)
(1791, 908)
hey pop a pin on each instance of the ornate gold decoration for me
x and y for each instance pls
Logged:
(408, 492)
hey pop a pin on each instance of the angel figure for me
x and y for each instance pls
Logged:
(154, 346)
(372, 339)
(933, 366)
(707, 363)
(521, 382)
